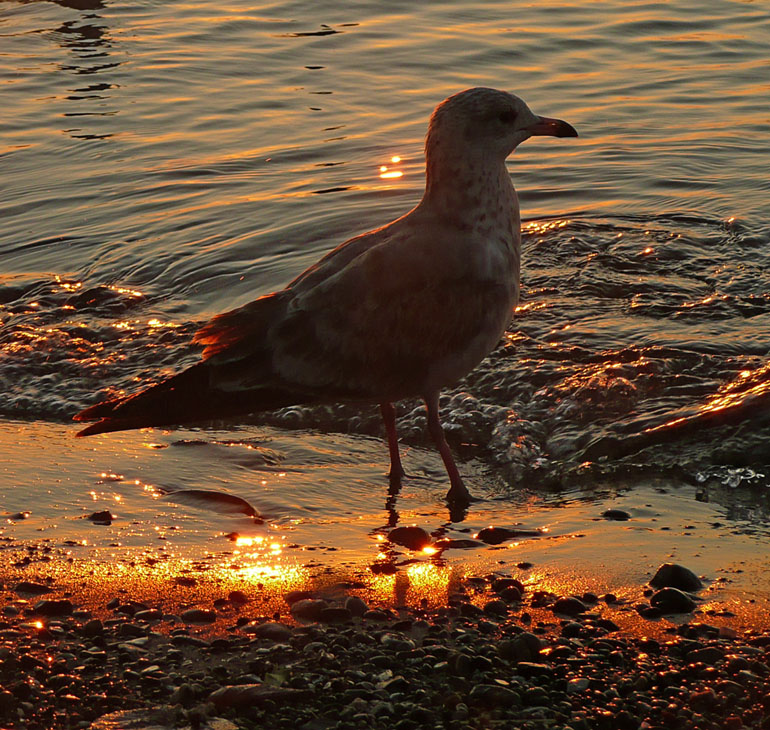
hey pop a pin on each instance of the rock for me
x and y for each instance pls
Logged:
(335, 615)
(414, 538)
(672, 600)
(293, 597)
(495, 535)
(579, 684)
(619, 515)
(356, 606)
(533, 669)
(511, 595)
(494, 695)
(94, 627)
(525, 647)
(35, 589)
(272, 630)
(496, 607)
(500, 585)
(308, 609)
(569, 606)
(245, 696)
(395, 642)
(157, 718)
(395, 684)
(105, 517)
(707, 655)
(199, 616)
(60, 607)
(150, 614)
(676, 576)
(187, 581)
(238, 598)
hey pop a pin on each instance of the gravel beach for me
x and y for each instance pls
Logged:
(496, 656)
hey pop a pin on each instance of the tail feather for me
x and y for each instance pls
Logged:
(185, 398)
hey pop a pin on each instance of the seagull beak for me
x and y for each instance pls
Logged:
(552, 128)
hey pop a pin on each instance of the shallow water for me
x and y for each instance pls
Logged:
(163, 162)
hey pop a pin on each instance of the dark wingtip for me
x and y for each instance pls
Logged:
(92, 429)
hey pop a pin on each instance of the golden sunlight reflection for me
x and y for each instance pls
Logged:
(540, 227)
(387, 173)
(426, 583)
(733, 395)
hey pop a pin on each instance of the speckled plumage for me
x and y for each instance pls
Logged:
(398, 312)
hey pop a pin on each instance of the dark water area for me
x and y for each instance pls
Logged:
(165, 162)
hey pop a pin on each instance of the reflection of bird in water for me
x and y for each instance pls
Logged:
(399, 312)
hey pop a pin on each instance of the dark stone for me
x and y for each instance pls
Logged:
(308, 609)
(149, 614)
(198, 616)
(533, 669)
(672, 600)
(496, 535)
(496, 607)
(396, 684)
(525, 647)
(35, 589)
(60, 607)
(569, 606)
(293, 597)
(105, 517)
(676, 576)
(707, 655)
(335, 615)
(94, 627)
(414, 538)
(357, 606)
(245, 696)
(619, 515)
(239, 598)
(272, 630)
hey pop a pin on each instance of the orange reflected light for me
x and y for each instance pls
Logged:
(386, 173)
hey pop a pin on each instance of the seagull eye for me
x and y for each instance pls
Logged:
(508, 116)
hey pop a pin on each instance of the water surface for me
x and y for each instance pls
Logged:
(164, 162)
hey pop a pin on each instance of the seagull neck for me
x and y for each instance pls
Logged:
(470, 193)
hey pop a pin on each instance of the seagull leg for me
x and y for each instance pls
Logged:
(458, 493)
(396, 470)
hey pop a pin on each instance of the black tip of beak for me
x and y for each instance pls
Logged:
(553, 128)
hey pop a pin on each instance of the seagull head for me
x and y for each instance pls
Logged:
(487, 121)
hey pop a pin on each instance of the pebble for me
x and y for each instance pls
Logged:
(308, 609)
(35, 589)
(357, 606)
(54, 607)
(616, 514)
(272, 630)
(569, 606)
(198, 616)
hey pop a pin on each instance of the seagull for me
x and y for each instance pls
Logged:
(399, 312)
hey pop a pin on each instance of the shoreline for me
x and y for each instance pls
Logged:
(327, 658)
